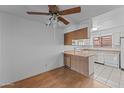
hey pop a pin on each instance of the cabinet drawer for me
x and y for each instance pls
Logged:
(73, 63)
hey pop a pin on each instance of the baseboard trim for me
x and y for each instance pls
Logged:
(29, 77)
(122, 69)
(99, 63)
(5, 84)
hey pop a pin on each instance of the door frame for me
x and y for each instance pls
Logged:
(120, 55)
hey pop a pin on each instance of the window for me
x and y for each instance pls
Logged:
(97, 42)
(104, 41)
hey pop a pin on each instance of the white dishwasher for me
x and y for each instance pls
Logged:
(111, 59)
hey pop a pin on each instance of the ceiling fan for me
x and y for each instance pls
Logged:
(56, 14)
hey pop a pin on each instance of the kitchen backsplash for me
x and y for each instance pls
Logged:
(84, 43)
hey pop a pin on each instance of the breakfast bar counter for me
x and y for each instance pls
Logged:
(80, 61)
(79, 53)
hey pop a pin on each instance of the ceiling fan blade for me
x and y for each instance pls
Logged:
(66, 22)
(70, 11)
(38, 13)
(53, 8)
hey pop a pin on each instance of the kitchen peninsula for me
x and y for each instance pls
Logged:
(80, 61)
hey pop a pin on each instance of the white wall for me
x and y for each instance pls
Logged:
(110, 23)
(114, 18)
(122, 34)
(27, 48)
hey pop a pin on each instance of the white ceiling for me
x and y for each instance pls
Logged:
(87, 11)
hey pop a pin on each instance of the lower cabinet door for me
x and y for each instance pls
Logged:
(67, 60)
(73, 63)
(80, 64)
(77, 64)
(83, 65)
(91, 65)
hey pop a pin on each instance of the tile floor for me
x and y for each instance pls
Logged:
(110, 76)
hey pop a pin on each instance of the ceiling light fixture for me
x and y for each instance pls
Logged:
(52, 20)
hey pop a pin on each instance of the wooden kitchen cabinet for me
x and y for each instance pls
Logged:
(67, 60)
(73, 66)
(68, 37)
(74, 63)
(75, 35)
(80, 34)
(82, 63)
(83, 66)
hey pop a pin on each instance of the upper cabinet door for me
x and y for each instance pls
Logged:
(68, 37)
(81, 34)
(116, 38)
(75, 35)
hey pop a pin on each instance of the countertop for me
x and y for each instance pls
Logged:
(102, 49)
(80, 53)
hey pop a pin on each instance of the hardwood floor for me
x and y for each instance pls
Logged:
(59, 78)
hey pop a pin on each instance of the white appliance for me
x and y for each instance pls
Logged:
(122, 52)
